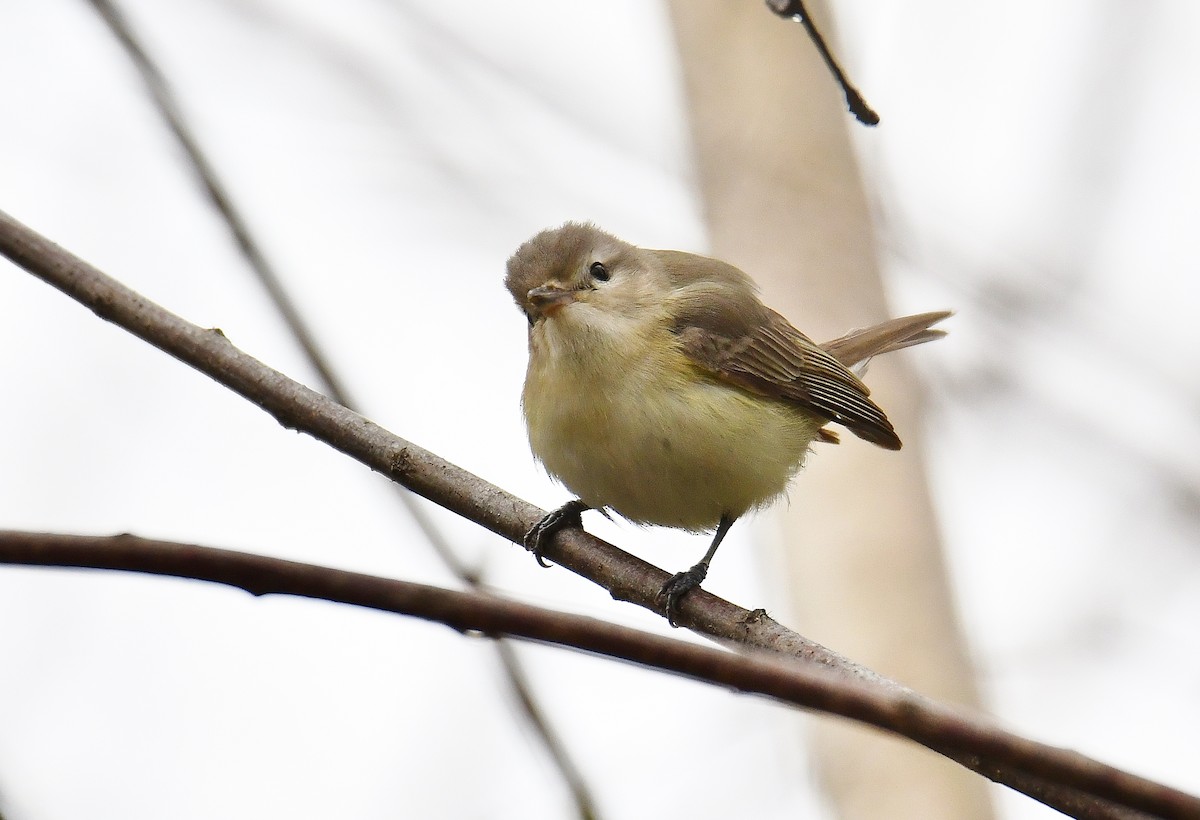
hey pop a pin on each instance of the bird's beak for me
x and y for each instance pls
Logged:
(548, 299)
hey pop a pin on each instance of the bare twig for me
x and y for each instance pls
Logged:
(585, 804)
(794, 10)
(207, 176)
(808, 686)
(333, 386)
(625, 577)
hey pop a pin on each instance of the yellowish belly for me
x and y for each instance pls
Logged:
(679, 450)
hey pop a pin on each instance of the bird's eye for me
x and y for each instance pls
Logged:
(599, 272)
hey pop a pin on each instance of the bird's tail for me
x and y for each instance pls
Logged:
(858, 346)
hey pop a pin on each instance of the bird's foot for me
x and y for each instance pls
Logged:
(680, 584)
(539, 535)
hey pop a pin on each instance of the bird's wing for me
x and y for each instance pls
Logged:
(771, 358)
(726, 330)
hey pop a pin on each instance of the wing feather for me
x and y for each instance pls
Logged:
(726, 330)
(778, 361)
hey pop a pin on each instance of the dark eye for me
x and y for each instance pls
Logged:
(599, 272)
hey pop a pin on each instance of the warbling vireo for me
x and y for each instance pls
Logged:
(661, 388)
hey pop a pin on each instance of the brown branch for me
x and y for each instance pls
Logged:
(809, 686)
(333, 386)
(625, 577)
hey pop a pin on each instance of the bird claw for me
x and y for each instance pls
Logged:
(680, 584)
(539, 535)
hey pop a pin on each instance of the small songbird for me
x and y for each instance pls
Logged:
(661, 388)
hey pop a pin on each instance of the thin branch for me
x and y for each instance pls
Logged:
(207, 175)
(333, 386)
(794, 10)
(585, 804)
(804, 685)
(625, 576)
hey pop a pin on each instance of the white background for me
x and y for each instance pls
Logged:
(1035, 170)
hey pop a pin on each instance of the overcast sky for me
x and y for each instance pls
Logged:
(1035, 170)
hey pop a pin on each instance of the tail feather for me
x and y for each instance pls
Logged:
(860, 345)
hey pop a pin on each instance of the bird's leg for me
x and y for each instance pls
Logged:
(682, 583)
(539, 535)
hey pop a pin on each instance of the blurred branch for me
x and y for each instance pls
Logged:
(333, 385)
(794, 10)
(808, 686)
(514, 670)
(626, 577)
(207, 175)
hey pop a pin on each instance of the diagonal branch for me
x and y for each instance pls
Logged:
(334, 387)
(794, 10)
(808, 685)
(625, 577)
(207, 175)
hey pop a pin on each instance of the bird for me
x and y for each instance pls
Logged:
(659, 386)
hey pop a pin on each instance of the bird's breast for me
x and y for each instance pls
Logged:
(637, 428)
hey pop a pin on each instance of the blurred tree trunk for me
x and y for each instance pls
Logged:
(784, 201)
